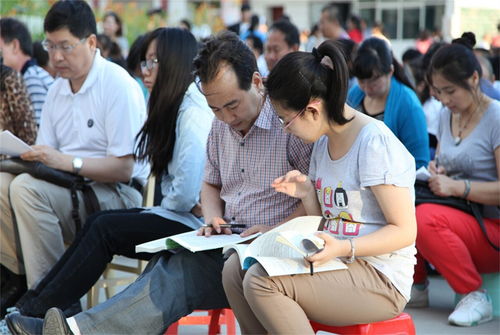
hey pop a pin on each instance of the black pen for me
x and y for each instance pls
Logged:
(311, 267)
(227, 225)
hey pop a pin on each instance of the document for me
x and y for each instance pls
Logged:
(11, 145)
(192, 242)
(281, 250)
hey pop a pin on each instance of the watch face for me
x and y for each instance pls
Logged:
(77, 164)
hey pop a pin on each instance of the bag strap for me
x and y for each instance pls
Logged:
(479, 219)
(89, 199)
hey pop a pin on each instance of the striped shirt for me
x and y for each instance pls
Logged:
(245, 166)
(37, 82)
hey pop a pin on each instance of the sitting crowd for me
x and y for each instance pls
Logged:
(338, 132)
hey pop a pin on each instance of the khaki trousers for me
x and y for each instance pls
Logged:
(285, 304)
(36, 220)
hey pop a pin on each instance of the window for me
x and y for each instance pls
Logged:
(433, 17)
(410, 23)
(390, 22)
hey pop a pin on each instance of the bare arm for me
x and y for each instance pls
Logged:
(487, 193)
(106, 170)
(213, 210)
(400, 230)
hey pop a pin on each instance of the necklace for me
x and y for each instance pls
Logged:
(458, 139)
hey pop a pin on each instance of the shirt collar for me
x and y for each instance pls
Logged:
(91, 76)
(266, 115)
(28, 64)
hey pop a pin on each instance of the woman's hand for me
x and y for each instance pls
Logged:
(333, 248)
(294, 184)
(436, 169)
(213, 228)
(444, 186)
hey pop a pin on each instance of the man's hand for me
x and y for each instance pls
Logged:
(260, 228)
(46, 155)
(214, 228)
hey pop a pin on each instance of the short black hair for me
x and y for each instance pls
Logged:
(13, 29)
(76, 16)
(256, 42)
(225, 47)
(411, 54)
(289, 30)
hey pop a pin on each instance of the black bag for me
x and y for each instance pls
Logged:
(423, 194)
(57, 177)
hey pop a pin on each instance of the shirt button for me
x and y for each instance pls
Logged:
(239, 193)
(242, 144)
(233, 218)
(242, 170)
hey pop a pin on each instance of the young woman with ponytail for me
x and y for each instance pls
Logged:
(372, 174)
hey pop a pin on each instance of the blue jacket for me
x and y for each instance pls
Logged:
(403, 114)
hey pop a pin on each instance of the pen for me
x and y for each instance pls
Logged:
(227, 225)
(311, 268)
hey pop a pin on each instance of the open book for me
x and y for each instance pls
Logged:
(281, 251)
(12, 145)
(192, 242)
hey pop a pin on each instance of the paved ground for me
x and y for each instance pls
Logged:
(428, 321)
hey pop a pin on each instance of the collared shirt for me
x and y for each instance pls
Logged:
(37, 82)
(100, 120)
(245, 166)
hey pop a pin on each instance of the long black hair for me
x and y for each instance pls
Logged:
(175, 51)
(300, 76)
(375, 57)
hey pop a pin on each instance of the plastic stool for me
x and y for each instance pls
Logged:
(214, 319)
(401, 324)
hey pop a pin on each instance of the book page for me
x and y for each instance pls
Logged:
(11, 145)
(192, 242)
(287, 266)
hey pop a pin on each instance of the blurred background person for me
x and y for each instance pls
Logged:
(384, 92)
(282, 38)
(185, 24)
(354, 28)
(110, 50)
(42, 58)
(113, 28)
(257, 47)
(314, 38)
(254, 29)
(243, 25)
(17, 52)
(330, 23)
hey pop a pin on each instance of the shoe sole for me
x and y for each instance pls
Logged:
(472, 324)
(54, 323)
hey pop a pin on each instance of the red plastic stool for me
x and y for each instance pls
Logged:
(214, 319)
(401, 324)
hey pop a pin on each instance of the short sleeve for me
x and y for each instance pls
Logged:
(299, 154)
(384, 160)
(212, 166)
(495, 129)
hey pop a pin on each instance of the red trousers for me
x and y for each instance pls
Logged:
(454, 243)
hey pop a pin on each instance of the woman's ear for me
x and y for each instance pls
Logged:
(314, 108)
(475, 78)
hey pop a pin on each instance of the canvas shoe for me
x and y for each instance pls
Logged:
(473, 309)
(419, 297)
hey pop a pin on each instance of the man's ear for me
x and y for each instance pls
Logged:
(92, 41)
(16, 46)
(257, 81)
(295, 47)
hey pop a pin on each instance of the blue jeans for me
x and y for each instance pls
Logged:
(170, 287)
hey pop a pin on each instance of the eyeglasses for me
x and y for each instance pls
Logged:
(287, 124)
(148, 64)
(65, 48)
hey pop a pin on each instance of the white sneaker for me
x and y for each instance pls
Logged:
(419, 298)
(473, 309)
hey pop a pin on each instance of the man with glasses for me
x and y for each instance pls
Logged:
(247, 149)
(16, 50)
(90, 118)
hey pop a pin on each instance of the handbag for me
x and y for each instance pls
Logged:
(64, 179)
(423, 194)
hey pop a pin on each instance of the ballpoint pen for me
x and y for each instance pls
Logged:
(227, 225)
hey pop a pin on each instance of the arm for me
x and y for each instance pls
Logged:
(400, 231)
(487, 193)
(213, 210)
(106, 170)
(298, 185)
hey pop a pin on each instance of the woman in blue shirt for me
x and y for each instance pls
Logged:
(383, 92)
(172, 139)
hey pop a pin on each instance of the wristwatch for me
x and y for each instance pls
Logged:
(77, 164)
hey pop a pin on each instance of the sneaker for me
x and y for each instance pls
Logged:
(473, 309)
(4, 330)
(419, 297)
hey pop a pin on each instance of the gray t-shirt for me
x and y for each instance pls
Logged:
(343, 189)
(474, 157)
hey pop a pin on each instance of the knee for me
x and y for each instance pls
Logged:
(20, 186)
(231, 273)
(256, 281)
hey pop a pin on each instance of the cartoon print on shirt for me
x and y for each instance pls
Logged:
(342, 202)
(331, 225)
(327, 197)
